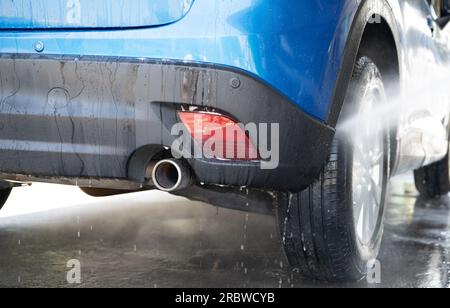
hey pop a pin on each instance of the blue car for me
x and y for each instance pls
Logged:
(298, 109)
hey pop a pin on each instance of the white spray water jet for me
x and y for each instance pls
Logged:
(422, 103)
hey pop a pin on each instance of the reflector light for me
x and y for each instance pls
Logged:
(219, 136)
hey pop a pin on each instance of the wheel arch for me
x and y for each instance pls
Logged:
(379, 44)
(374, 24)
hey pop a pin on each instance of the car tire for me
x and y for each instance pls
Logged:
(433, 181)
(4, 195)
(320, 227)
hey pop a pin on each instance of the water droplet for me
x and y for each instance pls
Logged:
(39, 46)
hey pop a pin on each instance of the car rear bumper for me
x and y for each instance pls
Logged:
(94, 118)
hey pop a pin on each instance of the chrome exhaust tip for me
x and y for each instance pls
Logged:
(170, 175)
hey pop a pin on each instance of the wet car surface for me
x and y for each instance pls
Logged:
(152, 240)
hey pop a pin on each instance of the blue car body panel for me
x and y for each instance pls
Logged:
(294, 46)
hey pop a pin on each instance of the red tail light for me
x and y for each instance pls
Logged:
(219, 136)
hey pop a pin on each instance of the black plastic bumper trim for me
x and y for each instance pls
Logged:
(86, 117)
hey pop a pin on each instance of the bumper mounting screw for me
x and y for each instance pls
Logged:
(235, 83)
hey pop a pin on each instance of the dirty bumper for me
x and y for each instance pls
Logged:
(87, 118)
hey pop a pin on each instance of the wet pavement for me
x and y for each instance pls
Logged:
(155, 240)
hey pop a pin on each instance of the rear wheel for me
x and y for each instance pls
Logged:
(333, 229)
(433, 181)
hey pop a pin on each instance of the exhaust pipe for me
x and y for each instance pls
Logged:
(171, 175)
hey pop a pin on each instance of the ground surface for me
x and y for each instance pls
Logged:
(155, 240)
